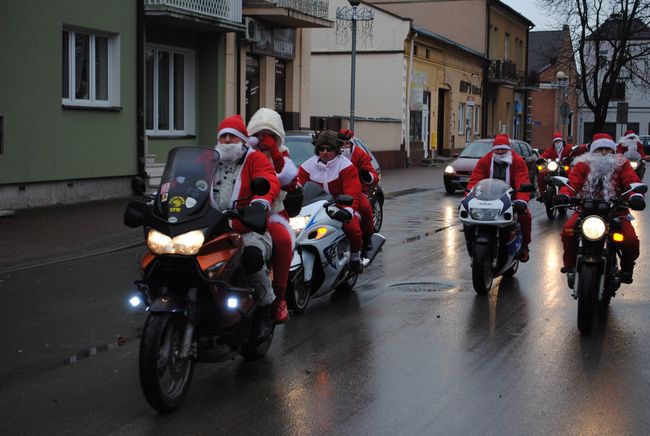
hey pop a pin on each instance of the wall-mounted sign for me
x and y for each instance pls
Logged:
(470, 101)
(467, 87)
(275, 41)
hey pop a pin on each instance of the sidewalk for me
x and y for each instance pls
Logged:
(40, 236)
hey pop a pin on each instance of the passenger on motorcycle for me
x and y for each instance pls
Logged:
(630, 141)
(338, 176)
(602, 174)
(559, 149)
(239, 165)
(505, 164)
(368, 177)
(268, 134)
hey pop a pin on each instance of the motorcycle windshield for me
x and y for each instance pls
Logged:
(185, 185)
(490, 189)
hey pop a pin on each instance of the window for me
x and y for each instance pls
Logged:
(90, 69)
(461, 118)
(169, 77)
(280, 87)
(477, 120)
(252, 85)
(506, 51)
(618, 92)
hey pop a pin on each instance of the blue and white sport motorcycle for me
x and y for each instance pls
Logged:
(321, 254)
(492, 232)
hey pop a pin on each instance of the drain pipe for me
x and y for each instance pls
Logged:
(140, 89)
(407, 110)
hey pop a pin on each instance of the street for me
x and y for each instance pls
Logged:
(412, 350)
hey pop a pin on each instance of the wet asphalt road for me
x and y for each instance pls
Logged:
(412, 351)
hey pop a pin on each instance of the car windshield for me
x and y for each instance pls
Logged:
(300, 148)
(476, 150)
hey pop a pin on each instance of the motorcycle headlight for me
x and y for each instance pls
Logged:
(298, 223)
(552, 166)
(635, 165)
(449, 170)
(593, 228)
(186, 244)
(484, 214)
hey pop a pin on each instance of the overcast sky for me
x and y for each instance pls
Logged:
(534, 13)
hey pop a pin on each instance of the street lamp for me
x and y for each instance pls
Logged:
(565, 108)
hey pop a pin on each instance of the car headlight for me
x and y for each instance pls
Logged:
(635, 165)
(484, 214)
(186, 244)
(299, 222)
(450, 170)
(552, 166)
(593, 228)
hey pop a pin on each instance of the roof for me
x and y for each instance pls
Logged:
(609, 30)
(446, 41)
(514, 12)
(544, 48)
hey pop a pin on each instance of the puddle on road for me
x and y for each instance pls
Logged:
(423, 287)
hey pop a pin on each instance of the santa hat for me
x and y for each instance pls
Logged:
(266, 119)
(557, 136)
(501, 142)
(235, 126)
(629, 132)
(602, 140)
(345, 134)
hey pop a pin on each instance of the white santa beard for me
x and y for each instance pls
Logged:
(346, 152)
(506, 157)
(230, 152)
(601, 168)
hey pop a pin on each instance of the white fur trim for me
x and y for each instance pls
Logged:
(235, 132)
(324, 173)
(602, 143)
(501, 147)
(288, 173)
(237, 187)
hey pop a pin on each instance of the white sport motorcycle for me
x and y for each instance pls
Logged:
(492, 232)
(321, 254)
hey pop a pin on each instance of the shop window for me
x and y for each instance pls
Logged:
(252, 85)
(280, 85)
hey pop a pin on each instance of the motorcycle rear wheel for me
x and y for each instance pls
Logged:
(164, 376)
(482, 274)
(587, 298)
(298, 292)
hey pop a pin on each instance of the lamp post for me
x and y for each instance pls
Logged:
(353, 62)
(565, 109)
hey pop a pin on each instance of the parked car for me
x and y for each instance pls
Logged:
(457, 173)
(301, 148)
(645, 140)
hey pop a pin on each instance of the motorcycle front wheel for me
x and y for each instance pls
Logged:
(298, 291)
(348, 284)
(482, 273)
(164, 376)
(549, 201)
(587, 297)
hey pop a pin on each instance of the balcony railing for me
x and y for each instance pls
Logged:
(530, 79)
(229, 10)
(503, 70)
(313, 8)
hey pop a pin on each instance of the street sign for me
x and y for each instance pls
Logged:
(621, 112)
(470, 101)
(537, 123)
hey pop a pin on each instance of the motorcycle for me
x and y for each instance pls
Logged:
(493, 235)
(554, 168)
(638, 164)
(321, 255)
(597, 274)
(201, 308)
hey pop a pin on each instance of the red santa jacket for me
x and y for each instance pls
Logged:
(617, 175)
(339, 176)
(361, 160)
(551, 152)
(623, 148)
(518, 174)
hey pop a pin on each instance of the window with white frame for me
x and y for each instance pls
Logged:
(170, 89)
(477, 120)
(461, 118)
(91, 68)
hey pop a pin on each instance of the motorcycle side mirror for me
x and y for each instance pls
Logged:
(134, 214)
(639, 188)
(138, 185)
(527, 188)
(260, 186)
(346, 200)
(560, 181)
(254, 218)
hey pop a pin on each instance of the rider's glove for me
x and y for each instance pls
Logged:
(562, 200)
(342, 215)
(260, 204)
(636, 202)
(366, 177)
(519, 207)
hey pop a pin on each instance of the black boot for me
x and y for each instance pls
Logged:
(570, 276)
(627, 269)
(356, 266)
(263, 323)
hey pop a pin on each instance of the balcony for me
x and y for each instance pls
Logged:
(502, 72)
(290, 13)
(201, 15)
(527, 80)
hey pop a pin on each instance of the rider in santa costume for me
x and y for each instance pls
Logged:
(630, 141)
(602, 174)
(557, 151)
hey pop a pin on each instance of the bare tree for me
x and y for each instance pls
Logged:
(612, 47)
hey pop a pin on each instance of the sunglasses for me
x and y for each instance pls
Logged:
(324, 148)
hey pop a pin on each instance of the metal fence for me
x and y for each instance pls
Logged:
(225, 9)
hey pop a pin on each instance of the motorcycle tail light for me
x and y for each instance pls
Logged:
(618, 237)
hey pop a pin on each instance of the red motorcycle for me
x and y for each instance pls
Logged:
(201, 308)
